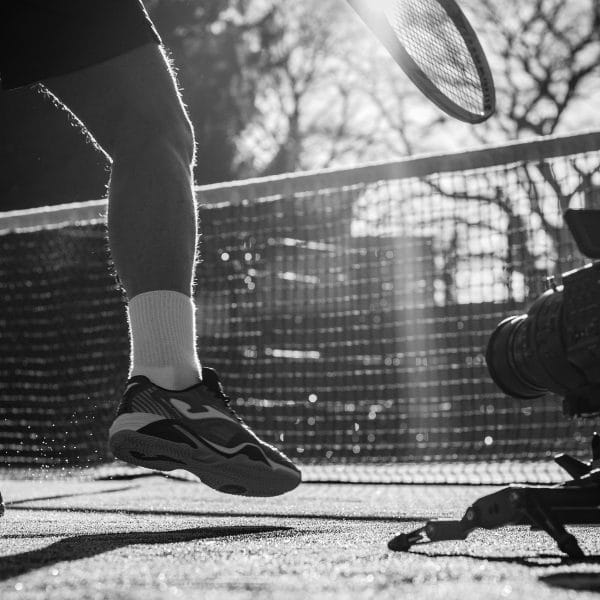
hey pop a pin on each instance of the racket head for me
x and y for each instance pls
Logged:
(435, 45)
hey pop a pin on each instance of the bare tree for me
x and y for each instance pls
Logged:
(328, 94)
(546, 60)
(545, 56)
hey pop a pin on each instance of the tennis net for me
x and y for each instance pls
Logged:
(347, 310)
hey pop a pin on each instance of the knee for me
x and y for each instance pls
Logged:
(165, 135)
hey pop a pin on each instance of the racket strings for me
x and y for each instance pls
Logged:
(433, 41)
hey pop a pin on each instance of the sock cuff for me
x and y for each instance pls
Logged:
(163, 331)
(163, 298)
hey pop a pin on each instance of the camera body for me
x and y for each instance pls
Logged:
(556, 345)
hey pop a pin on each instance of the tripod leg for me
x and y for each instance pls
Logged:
(542, 517)
(403, 542)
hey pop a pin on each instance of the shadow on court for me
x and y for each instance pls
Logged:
(582, 580)
(86, 546)
(215, 514)
(17, 505)
(539, 560)
(13, 503)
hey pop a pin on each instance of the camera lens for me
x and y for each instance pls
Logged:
(526, 355)
(504, 369)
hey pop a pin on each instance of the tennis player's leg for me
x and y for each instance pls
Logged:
(131, 108)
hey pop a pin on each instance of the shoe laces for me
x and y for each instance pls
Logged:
(217, 391)
(227, 401)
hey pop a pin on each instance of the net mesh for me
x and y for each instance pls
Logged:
(347, 311)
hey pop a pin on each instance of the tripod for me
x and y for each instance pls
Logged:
(550, 508)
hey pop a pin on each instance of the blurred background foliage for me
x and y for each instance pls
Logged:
(276, 86)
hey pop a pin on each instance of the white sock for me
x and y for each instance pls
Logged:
(163, 339)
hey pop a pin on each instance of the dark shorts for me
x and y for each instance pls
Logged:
(45, 38)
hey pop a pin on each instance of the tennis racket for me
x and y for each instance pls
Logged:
(435, 45)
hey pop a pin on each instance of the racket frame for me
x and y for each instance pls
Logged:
(377, 22)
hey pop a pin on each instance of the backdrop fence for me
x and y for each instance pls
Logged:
(347, 310)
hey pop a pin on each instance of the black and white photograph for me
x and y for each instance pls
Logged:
(299, 299)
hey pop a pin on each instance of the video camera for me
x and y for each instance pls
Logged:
(555, 347)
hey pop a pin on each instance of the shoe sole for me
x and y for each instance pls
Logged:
(228, 476)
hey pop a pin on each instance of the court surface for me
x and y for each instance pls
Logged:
(154, 537)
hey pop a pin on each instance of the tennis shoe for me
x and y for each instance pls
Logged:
(196, 429)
